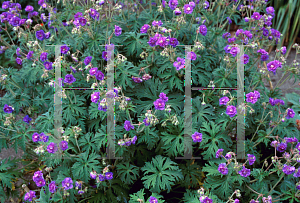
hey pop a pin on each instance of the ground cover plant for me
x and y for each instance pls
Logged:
(149, 97)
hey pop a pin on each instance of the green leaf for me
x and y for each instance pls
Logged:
(127, 172)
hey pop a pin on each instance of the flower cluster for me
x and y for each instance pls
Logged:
(159, 104)
(127, 141)
(101, 177)
(39, 179)
(252, 97)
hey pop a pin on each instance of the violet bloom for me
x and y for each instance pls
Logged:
(297, 173)
(101, 177)
(207, 200)
(52, 148)
(226, 35)
(264, 57)
(251, 97)
(192, 56)
(163, 96)
(52, 187)
(162, 41)
(219, 152)
(173, 4)
(108, 175)
(173, 42)
(290, 113)
(229, 20)
(36, 137)
(281, 147)
(93, 71)
(137, 79)
(246, 59)
(48, 65)
(251, 159)
(64, 49)
(99, 75)
(256, 16)
(106, 55)
(29, 8)
(40, 182)
(152, 41)
(82, 21)
(272, 66)
(40, 35)
(227, 49)
(146, 121)
(18, 51)
(179, 64)
(69, 79)
(257, 94)
(279, 101)
(63, 145)
(206, 5)
(231, 111)
(88, 60)
(26, 119)
(37, 175)
(234, 51)
(223, 101)
(134, 139)
(283, 50)
(94, 14)
(19, 61)
(15, 21)
(128, 126)
(223, 169)
(29, 55)
(6, 5)
(152, 199)
(95, 97)
(43, 56)
(246, 19)
(231, 40)
(118, 30)
(244, 172)
(270, 10)
(159, 104)
(67, 183)
(44, 137)
(8, 109)
(145, 28)
(93, 175)
(177, 12)
(188, 9)
(288, 169)
(197, 137)
(202, 30)
(29, 195)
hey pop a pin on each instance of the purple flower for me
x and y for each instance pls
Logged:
(173, 4)
(206, 5)
(228, 156)
(173, 42)
(64, 49)
(82, 21)
(251, 159)
(93, 71)
(188, 9)
(202, 30)
(95, 97)
(283, 50)
(177, 12)
(15, 21)
(101, 177)
(52, 187)
(272, 101)
(157, 23)
(207, 200)
(146, 121)
(18, 51)
(52, 148)
(223, 101)
(37, 175)
(69, 79)
(134, 139)
(47, 35)
(223, 169)
(290, 113)
(264, 57)
(44, 56)
(257, 94)
(106, 55)
(192, 56)
(40, 35)
(48, 65)
(29, 55)
(272, 66)
(99, 75)
(108, 175)
(297, 173)
(145, 28)
(128, 126)
(67, 183)
(44, 137)
(87, 60)
(231, 40)
(179, 64)
(288, 169)
(118, 30)
(279, 101)
(8, 109)
(152, 41)
(94, 14)
(152, 199)
(246, 19)
(251, 97)
(227, 49)
(162, 41)
(40, 182)
(197, 137)
(163, 96)
(256, 16)
(159, 104)
(192, 4)
(270, 10)
(29, 195)
(26, 119)
(244, 172)
(63, 145)
(231, 111)
(19, 61)
(93, 175)
(246, 59)
(36, 137)
(6, 5)
(281, 147)
(219, 152)
(229, 20)
(234, 51)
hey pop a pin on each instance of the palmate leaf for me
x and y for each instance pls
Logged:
(46, 120)
(123, 74)
(127, 172)
(191, 196)
(192, 174)
(149, 136)
(162, 174)
(202, 113)
(138, 195)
